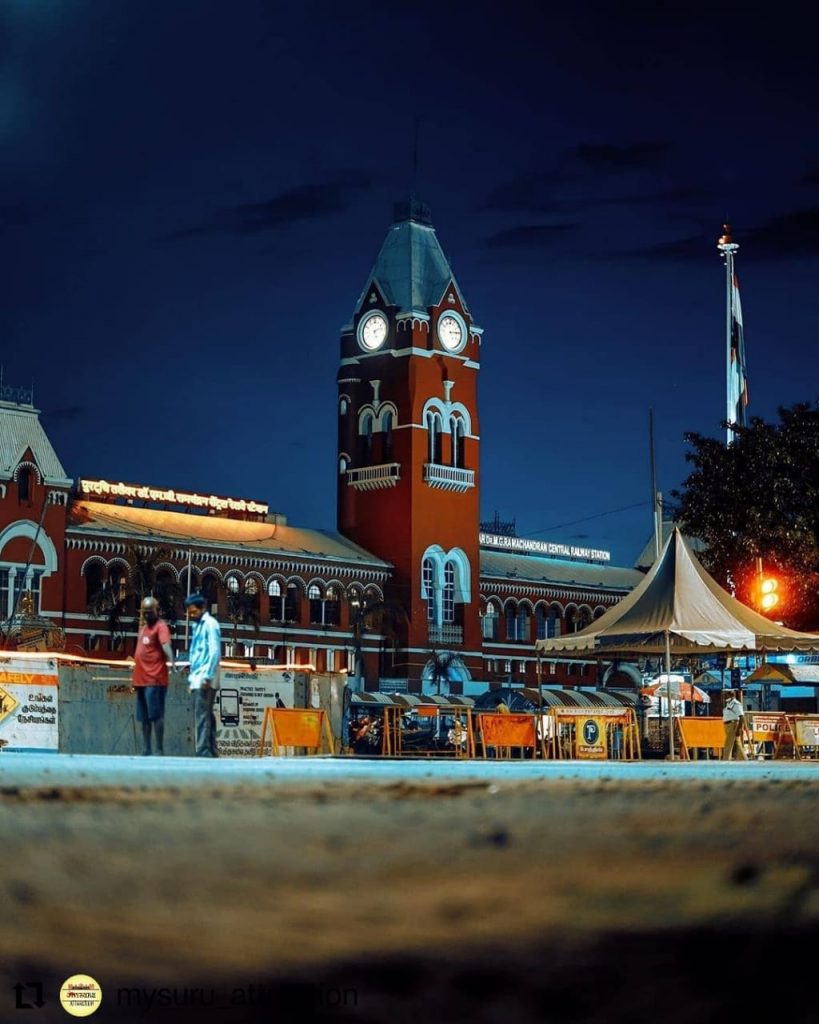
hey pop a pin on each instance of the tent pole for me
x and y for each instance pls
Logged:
(668, 694)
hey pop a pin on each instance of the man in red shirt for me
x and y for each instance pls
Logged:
(150, 678)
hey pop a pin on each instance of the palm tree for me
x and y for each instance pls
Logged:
(242, 609)
(145, 581)
(442, 662)
(109, 603)
(385, 617)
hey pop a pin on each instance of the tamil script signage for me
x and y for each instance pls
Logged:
(543, 547)
(28, 705)
(137, 492)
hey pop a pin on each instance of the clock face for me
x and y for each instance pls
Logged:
(451, 332)
(372, 331)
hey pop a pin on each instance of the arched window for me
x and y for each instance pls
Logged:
(93, 581)
(365, 440)
(165, 591)
(332, 607)
(541, 622)
(449, 593)
(343, 465)
(252, 593)
(489, 622)
(324, 611)
(457, 428)
(524, 624)
(316, 603)
(275, 601)
(553, 622)
(292, 603)
(24, 484)
(343, 406)
(209, 587)
(386, 428)
(434, 434)
(428, 588)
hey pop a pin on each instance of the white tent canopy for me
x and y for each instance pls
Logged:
(679, 599)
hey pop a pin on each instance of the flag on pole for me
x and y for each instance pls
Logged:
(737, 371)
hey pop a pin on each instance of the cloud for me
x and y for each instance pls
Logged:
(305, 202)
(608, 157)
(529, 192)
(791, 234)
(788, 235)
(529, 236)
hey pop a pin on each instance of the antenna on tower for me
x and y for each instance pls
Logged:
(416, 136)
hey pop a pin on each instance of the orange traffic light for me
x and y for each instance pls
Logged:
(768, 593)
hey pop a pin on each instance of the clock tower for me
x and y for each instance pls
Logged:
(408, 451)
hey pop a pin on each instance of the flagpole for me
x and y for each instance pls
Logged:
(727, 246)
(187, 617)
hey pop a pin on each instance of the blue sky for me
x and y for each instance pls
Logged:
(193, 196)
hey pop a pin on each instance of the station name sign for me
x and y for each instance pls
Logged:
(542, 547)
(104, 489)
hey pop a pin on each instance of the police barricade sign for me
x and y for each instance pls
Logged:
(771, 733)
(806, 735)
(595, 734)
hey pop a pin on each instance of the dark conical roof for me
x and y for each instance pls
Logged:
(411, 270)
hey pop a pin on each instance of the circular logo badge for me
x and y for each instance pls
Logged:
(80, 995)
(591, 733)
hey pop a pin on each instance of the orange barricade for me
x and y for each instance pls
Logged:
(595, 733)
(301, 728)
(505, 731)
(700, 734)
(771, 733)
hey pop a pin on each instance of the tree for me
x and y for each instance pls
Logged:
(145, 579)
(758, 498)
(388, 618)
(442, 662)
(242, 607)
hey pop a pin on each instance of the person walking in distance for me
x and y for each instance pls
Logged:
(203, 672)
(150, 676)
(733, 718)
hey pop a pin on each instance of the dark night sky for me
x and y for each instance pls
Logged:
(193, 195)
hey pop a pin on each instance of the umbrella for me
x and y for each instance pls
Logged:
(680, 690)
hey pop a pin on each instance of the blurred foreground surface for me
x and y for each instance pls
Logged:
(408, 891)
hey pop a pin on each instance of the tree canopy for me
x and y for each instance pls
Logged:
(759, 498)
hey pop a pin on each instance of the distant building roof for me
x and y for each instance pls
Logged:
(411, 270)
(514, 567)
(95, 518)
(21, 431)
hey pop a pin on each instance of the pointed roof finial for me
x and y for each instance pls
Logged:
(726, 243)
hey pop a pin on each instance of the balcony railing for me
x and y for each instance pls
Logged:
(448, 633)
(448, 478)
(374, 478)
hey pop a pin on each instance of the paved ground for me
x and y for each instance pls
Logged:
(19, 769)
(403, 891)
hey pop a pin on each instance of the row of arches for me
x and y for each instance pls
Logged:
(246, 595)
(549, 619)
